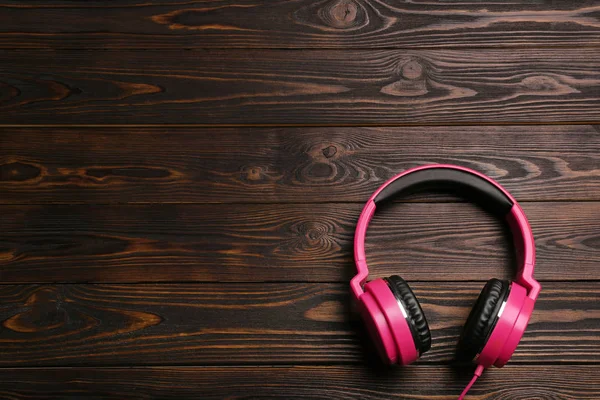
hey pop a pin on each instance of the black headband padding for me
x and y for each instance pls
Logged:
(460, 182)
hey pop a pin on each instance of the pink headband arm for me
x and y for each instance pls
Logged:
(522, 234)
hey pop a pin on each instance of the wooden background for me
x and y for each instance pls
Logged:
(180, 180)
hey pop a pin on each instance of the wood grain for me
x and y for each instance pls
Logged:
(94, 325)
(299, 382)
(335, 24)
(263, 165)
(294, 242)
(301, 87)
(180, 183)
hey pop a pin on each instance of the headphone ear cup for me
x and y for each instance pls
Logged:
(482, 318)
(415, 315)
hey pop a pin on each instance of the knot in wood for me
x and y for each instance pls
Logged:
(18, 172)
(252, 173)
(313, 231)
(412, 70)
(341, 14)
(42, 311)
(540, 83)
(329, 151)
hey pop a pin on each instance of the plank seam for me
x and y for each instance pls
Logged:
(316, 125)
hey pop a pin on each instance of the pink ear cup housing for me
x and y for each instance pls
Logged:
(517, 333)
(378, 328)
(508, 330)
(387, 325)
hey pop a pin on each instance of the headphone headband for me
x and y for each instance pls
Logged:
(485, 190)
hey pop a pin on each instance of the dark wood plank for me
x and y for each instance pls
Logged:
(301, 87)
(303, 242)
(179, 164)
(336, 24)
(299, 382)
(74, 325)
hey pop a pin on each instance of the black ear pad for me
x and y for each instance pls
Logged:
(416, 317)
(482, 319)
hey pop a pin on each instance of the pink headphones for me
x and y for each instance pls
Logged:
(498, 320)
